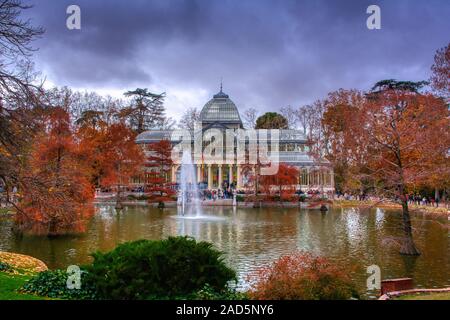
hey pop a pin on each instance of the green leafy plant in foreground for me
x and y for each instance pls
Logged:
(9, 285)
(53, 284)
(159, 269)
(174, 268)
(5, 267)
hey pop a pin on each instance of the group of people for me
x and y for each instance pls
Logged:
(347, 196)
(313, 192)
(218, 194)
(417, 199)
(206, 194)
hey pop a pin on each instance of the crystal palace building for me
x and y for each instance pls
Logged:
(221, 113)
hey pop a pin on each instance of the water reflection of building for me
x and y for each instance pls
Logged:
(221, 113)
(242, 235)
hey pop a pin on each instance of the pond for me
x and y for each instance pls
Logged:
(253, 237)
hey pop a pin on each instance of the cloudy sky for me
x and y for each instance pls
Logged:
(270, 53)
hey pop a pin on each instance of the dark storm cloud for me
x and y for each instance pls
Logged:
(269, 53)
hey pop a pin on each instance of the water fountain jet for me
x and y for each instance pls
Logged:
(188, 190)
(189, 203)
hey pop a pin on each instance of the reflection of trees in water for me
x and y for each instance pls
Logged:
(409, 263)
(252, 237)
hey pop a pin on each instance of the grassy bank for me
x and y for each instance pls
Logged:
(389, 205)
(10, 283)
(16, 270)
(430, 296)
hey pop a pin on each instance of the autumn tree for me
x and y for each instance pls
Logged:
(403, 132)
(339, 143)
(145, 112)
(113, 155)
(387, 141)
(282, 183)
(159, 163)
(55, 189)
(92, 133)
(271, 120)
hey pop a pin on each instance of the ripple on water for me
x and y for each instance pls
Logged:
(199, 218)
(251, 238)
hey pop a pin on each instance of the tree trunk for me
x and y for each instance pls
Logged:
(118, 199)
(52, 229)
(408, 245)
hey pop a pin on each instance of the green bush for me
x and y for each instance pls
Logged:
(240, 198)
(53, 284)
(145, 269)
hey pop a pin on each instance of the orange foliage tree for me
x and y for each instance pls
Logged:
(56, 192)
(339, 143)
(301, 276)
(392, 139)
(406, 133)
(159, 163)
(281, 184)
(114, 156)
(93, 133)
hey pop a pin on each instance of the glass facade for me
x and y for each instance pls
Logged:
(220, 113)
(221, 109)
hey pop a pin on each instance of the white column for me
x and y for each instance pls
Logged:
(238, 177)
(230, 173)
(220, 177)
(332, 179)
(199, 177)
(209, 177)
(174, 178)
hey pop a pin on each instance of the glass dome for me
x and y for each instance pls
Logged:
(220, 109)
